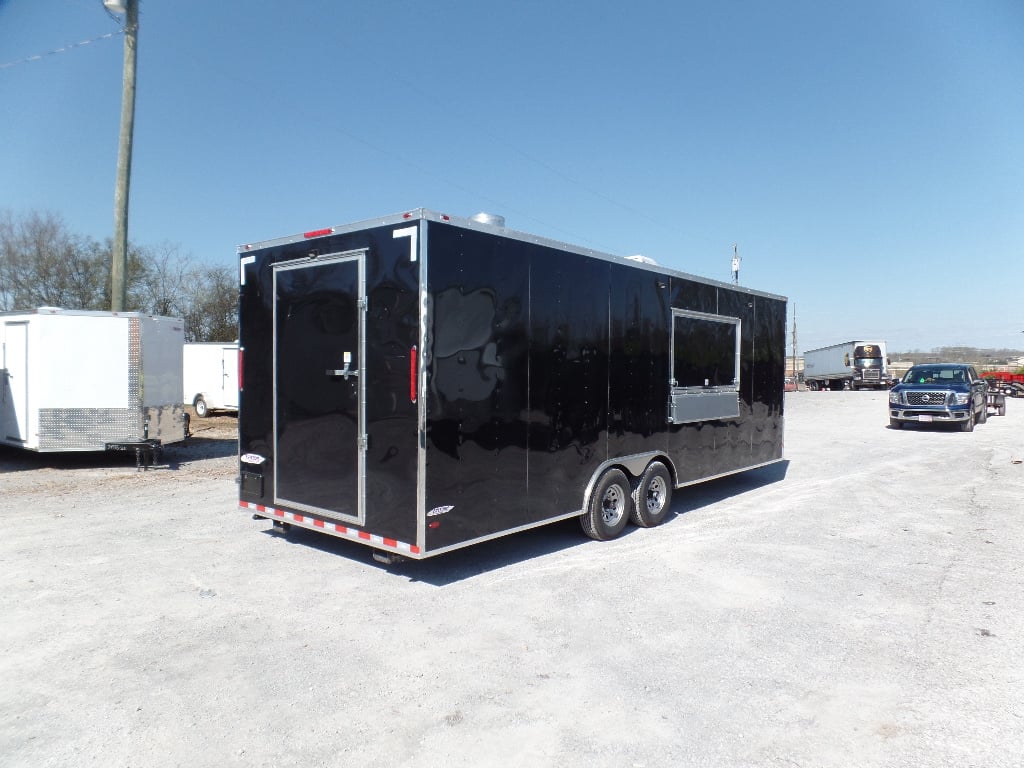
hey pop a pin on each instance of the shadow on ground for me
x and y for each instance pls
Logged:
(170, 457)
(495, 554)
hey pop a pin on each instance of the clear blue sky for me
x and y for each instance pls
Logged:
(867, 157)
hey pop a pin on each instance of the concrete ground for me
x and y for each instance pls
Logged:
(860, 605)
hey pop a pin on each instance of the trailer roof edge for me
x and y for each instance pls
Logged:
(417, 214)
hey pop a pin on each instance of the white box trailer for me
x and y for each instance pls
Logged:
(91, 381)
(210, 373)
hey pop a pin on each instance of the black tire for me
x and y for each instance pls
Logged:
(895, 424)
(983, 415)
(1002, 408)
(652, 496)
(968, 426)
(201, 410)
(610, 507)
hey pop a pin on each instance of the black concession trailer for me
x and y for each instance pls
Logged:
(421, 382)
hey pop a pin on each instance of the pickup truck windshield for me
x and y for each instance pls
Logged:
(934, 375)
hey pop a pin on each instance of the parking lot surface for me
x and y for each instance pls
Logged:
(861, 604)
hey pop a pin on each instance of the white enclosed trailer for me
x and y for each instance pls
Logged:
(91, 381)
(210, 372)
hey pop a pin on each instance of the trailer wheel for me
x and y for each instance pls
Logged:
(1002, 408)
(610, 507)
(652, 496)
(201, 410)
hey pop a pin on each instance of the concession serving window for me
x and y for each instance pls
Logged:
(705, 367)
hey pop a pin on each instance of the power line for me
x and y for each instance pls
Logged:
(65, 49)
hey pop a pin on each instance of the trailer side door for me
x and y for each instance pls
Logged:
(319, 385)
(14, 387)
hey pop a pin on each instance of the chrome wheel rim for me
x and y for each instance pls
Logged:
(613, 505)
(656, 495)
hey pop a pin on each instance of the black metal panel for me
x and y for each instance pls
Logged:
(477, 385)
(692, 446)
(569, 304)
(768, 377)
(392, 329)
(712, 448)
(638, 375)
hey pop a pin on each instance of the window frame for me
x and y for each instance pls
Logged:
(712, 402)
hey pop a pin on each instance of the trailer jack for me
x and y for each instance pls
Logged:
(147, 452)
(387, 558)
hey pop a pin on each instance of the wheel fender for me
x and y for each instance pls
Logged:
(634, 467)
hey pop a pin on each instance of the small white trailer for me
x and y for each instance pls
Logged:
(210, 373)
(91, 381)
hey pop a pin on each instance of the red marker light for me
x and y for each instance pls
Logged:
(317, 232)
(412, 375)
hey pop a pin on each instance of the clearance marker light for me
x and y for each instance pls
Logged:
(318, 232)
(412, 375)
(444, 216)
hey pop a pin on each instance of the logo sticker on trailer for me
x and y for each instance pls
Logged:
(252, 458)
(440, 510)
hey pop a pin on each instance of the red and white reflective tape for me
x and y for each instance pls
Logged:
(335, 529)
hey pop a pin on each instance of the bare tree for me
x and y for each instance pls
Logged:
(212, 305)
(42, 264)
(161, 284)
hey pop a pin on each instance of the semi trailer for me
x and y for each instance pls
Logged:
(420, 382)
(853, 364)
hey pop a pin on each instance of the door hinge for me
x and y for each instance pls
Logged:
(362, 304)
(364, 442)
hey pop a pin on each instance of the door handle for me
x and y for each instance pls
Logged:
(344, 372)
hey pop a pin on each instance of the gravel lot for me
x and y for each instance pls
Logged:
(860, 605)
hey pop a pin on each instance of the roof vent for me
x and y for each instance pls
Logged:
(642, 259)
(489, 218)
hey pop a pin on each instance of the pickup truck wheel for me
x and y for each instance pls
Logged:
(652, 496)
(610, 507)
(895, 424)
(983, 415)
(968, 426)
(201, 410)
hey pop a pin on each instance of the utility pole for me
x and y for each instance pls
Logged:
(794, 343)
(119, 263)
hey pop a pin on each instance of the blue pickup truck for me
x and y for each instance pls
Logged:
(939, 393)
